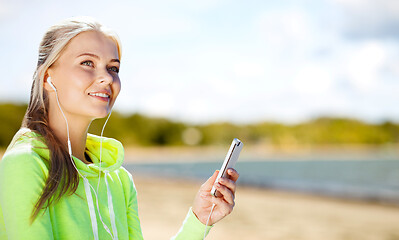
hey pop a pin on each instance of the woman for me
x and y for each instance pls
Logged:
(59, 182)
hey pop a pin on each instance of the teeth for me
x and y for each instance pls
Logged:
(100, 95)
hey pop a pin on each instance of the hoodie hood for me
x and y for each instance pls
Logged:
(112, 153)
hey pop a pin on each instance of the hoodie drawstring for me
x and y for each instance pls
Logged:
(111, 207)
(93, 218)
(91, 208)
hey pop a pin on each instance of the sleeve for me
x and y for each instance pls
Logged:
(22, 178)
(132, 213)
(192, 228)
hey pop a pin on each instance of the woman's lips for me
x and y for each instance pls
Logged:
(100, 96)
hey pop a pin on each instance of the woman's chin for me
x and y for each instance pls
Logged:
(102, 114)
(97, 112)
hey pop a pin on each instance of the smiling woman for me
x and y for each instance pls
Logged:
(92, 84)
(50, 167)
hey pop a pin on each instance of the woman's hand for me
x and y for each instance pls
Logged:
(223, 205)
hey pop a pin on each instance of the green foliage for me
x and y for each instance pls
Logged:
(217, 133)
(339, 130)
(140, 130)
(137, 129)
(11, 116)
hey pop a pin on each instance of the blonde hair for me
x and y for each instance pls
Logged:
(62, 176)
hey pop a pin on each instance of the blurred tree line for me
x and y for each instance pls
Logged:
(137, 129)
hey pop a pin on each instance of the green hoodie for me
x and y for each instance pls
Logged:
(23, 173)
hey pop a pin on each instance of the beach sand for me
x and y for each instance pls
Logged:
(265, 214)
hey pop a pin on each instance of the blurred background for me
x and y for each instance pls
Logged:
(310, 87)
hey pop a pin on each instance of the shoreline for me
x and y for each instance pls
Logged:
(260, 153)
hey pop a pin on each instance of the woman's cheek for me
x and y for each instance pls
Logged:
(83, 75)
(116, 87)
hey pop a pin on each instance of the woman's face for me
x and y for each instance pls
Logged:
(86, 75)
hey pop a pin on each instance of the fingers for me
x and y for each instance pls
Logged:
(222, 205)
(230, 184)
(228, 195)
(233, 174)
(230, 181)
(225, 187)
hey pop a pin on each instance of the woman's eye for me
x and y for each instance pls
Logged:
(88, 63)
(114, 69)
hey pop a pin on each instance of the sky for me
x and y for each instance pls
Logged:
(218, 60)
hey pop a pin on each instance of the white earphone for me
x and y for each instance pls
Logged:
(51, 83)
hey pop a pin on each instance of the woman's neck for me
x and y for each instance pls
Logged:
(78, 128)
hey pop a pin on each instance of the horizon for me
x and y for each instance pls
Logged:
(260, 121)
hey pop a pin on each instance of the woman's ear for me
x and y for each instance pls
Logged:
(51, 83)
(48, 84)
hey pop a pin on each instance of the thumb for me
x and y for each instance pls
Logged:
(207, 186)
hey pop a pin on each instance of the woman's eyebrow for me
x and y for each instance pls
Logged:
(95, 56)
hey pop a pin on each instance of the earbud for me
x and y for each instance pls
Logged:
(51, 83)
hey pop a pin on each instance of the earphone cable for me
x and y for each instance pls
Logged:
(207, 221)
(101, 148)
(73, 162)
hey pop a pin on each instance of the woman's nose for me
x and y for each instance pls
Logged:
(105, 77)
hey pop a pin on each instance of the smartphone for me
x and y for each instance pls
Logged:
(229, 162)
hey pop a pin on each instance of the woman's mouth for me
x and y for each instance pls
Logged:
(101, 96)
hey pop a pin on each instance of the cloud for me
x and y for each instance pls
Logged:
(144, 24)
(284, 28)
(6, 10)
(291, 66)
(160, 104)
(249, 69)
(364, 65)
(312, 80)
(195, 5)
(369, 18)
(21, 82)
